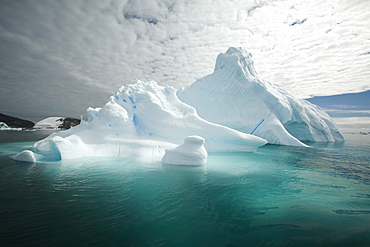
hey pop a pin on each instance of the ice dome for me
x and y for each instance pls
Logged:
(234, 95)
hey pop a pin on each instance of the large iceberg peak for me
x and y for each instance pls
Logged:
(237, 59)
(234, 95)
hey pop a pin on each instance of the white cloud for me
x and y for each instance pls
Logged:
(351, 123)
(75, 49)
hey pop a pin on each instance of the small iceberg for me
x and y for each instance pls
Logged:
(27, 156)
(191, 153)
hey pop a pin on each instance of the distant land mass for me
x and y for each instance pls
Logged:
(15, 122)
(47, 123)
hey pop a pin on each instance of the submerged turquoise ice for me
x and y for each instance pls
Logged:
(278, 196)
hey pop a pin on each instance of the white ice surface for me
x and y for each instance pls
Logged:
(141, 119)
(235, 96)
(192, 152)
(49, 123)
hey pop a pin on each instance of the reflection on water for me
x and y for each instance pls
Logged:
(278, 196)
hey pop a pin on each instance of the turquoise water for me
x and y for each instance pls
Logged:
(278, 196)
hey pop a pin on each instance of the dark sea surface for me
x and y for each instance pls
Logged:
(278, 196)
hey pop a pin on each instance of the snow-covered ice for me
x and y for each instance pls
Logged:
(192, 152)
(141, 119)
(234, 95)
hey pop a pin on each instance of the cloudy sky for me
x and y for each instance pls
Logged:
(60, 57)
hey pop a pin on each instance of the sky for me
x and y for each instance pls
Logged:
(345, 105)
(57, 58)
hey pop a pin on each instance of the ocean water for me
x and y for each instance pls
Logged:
(278, 196)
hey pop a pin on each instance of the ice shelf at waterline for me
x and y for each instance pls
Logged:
(141, 119)
(234, 95)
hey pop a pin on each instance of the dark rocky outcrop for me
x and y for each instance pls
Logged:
(69, 123)
(15, 122)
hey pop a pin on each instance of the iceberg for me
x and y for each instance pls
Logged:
(141, 119)
(234, 95)
(191, 153)
(231, 110)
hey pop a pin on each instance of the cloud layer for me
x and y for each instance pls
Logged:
(59, 57)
